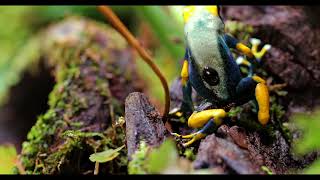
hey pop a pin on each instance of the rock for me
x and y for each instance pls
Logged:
(217, 152)
(235, 133)
(276, 153)
(223, 131)
(239, 136)
(143, 123)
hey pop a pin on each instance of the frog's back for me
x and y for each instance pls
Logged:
(208, 50)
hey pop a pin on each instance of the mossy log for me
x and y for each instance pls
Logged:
(94, 72)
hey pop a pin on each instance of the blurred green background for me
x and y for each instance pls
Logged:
(160, 29)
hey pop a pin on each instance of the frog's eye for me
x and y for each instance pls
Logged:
(210, 76)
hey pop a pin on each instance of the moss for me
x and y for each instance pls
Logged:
(276, 109)
(288, 134)
(267, 170)
(51, 163)
(136, 165)
(67, 133)
(189, 154)
(240, 30)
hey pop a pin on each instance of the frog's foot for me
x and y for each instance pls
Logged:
(254, 49)
(242, 61)
(199, 120)
(194, 137)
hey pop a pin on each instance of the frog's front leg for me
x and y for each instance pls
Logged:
(253, 53)
(187, 105)
(208, 120)
(256, 87)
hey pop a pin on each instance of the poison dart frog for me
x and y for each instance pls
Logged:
(211, 70)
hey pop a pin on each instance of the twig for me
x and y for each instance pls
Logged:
(120, 27)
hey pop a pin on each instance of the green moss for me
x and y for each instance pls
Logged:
(136, 165)
(39, 136)
(147, 160)
(189, 154)
(276, 109)
(234, 111)
(267, 170)
(52, 162)
(240, 30)
(57, 137)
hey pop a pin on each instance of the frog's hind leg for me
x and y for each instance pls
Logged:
(255, 87)
(208, 120)
(262, 97)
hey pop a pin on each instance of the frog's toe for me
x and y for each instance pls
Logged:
(254, 49)
(263, 51)
(189, 142)
(267, 47)
(176, 135)
(255, 41)
(189, 136)
(195, 137)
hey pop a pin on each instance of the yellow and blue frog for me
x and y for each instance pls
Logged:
(211, 70)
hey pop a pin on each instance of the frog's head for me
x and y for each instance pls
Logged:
(203, 30)
(209, 15)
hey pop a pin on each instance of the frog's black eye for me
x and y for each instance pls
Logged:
(210, 76)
